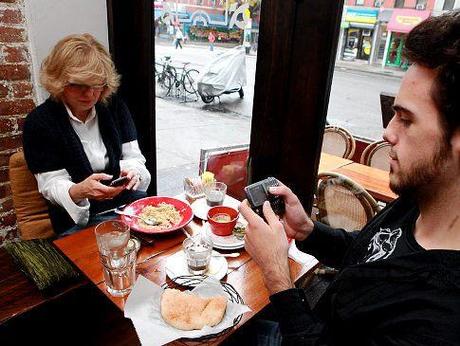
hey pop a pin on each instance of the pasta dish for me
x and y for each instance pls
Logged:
(164, 214)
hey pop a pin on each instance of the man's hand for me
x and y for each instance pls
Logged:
(134, 179)
(92, 188)
(268, 246)
(297, 224)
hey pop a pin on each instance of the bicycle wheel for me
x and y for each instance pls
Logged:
(189, 81)
(207, 99)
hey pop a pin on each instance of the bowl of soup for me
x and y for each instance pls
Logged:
(222, 220)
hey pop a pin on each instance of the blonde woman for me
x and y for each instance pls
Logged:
(82, 136)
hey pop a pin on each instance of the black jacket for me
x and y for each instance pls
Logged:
(408, 299)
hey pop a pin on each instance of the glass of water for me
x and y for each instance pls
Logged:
(215, 193)
(198, 252)
(118, 256)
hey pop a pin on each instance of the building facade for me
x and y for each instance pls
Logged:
(375, 30)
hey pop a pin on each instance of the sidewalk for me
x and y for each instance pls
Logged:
(363, 66)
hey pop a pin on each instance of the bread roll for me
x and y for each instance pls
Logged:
(187, 311)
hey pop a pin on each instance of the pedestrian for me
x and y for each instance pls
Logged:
(211, 39)
(179, 37)
(398, 281)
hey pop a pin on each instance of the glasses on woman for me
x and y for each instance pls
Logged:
(82, 88)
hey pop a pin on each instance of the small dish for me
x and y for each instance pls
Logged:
(222, 220)
(200, 207)
(229, 242)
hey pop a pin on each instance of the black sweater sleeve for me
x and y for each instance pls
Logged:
(328, 244)
(298, 324)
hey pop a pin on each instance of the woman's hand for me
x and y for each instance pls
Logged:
(134, 179)
(268, 246)
(92, 188)
(297, 224)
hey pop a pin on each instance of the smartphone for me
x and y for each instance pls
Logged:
(119, 181)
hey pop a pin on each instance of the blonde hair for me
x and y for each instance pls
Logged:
(79, 59)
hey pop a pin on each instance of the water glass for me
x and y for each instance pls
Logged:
(118, 256)
(215, 193)
(198, 252)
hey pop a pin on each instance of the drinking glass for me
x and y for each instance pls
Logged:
(118, 256)
(215, 193)
(198, 252)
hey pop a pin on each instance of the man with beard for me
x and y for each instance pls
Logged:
(399, 277)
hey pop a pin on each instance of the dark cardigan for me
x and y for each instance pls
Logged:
(50, 144)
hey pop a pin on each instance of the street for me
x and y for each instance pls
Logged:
(183, 128)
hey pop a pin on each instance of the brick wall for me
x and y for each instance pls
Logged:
(16, 100)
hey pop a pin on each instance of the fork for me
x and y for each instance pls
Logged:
(150, 221)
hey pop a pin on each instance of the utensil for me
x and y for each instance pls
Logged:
(110, 210)
(232, 255)
(149, 221)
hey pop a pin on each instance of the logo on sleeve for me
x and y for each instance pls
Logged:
(382, 244)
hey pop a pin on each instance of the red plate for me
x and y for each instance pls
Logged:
(136, 207)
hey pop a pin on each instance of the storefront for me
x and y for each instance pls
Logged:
(402, 21)
(358, 30)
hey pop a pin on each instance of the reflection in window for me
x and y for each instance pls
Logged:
(448, 5)
(399, 3)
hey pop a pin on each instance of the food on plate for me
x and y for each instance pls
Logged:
(164, 214)
(239, 231)
(222, 217)
(188, 311)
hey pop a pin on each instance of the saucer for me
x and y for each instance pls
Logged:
(200, 208)
(229, 242)
(176, 266)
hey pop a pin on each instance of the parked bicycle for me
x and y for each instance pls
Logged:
(176, 83)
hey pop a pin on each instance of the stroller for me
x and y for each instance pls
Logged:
(225, 74)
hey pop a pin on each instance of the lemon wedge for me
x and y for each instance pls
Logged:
(207, 177)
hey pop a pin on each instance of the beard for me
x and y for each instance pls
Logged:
(421, 173)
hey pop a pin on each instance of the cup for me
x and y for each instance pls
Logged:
(215, 193)
(222, 220)
(193, 188)
(118, 256)
(198, 252)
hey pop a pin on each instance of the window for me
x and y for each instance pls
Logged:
(359, 2)
(420, 5)
(378, 3)
(448, 5)
(399, 3)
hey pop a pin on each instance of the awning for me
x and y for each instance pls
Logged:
(403, 20)
(364, 15)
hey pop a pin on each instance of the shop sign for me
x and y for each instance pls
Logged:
(404, 20)
(359, 15)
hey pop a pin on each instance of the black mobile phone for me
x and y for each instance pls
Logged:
(119, 181)
(258, 193)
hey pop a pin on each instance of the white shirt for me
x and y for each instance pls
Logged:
(55, 185)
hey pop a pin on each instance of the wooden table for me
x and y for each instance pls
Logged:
(243, 273)
(374, 180)
(330, 162)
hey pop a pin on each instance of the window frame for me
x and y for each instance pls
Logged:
(292, 90)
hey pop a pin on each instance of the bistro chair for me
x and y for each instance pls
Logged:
(343, 203)
(31, 208)
(339, 142)
(376, 155)
(229, 165)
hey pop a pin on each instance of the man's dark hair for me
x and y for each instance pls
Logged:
(435, 43)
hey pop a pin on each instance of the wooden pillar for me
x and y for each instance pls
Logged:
(131, 45)
(295, 62)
